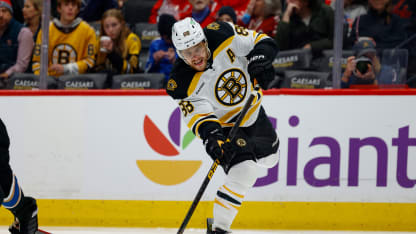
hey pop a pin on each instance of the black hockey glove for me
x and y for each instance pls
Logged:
(217, 146)
(261, 69)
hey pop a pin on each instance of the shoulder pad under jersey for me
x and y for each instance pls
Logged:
(180, 79)
(216, 33)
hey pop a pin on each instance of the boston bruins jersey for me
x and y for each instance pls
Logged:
(75, 44)
(218, 93)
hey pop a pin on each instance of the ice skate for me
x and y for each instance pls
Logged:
(26, 218)
(216, 231)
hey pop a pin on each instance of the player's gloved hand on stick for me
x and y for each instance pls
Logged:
(261, 69)
(217, 146)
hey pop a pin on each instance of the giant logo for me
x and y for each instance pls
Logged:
(173, 172)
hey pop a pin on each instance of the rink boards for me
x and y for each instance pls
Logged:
(108, 158)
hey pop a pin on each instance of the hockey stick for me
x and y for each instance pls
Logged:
(215, 164)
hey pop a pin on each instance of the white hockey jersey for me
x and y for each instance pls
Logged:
(219, 93)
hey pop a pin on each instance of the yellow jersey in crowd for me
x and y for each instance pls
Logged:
(74, 46)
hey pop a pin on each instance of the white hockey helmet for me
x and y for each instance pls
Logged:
(187, 33)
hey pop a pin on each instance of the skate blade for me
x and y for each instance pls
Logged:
(42, 232)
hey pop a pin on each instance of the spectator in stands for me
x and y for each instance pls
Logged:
(121, 3)
(162, 53)
(72, 42)
(329, 2)
(387, 30)
(242, 8)
(406, 9)
(365, 67)
(17, 6)
(227, 14)
(93, 10)
(307, 24)
(119, 54)
(32, 13)
(203, 11)
(16, 43)
(352, 9)
(171, 7)
(54, 10)
(264, 18)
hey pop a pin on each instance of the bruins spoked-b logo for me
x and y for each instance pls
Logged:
(231, 87)
(64, 54)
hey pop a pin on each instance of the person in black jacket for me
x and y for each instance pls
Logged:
(386, 29)
(17, 6)
(93, 10)
(307, 24)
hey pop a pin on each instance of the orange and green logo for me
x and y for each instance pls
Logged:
(173, 172)
(168, 172)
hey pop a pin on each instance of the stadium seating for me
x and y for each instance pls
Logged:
(327, 61)
(83, 81)
(146, 32)
(28, 81)
(138, 81)
(96, 25)
(143, 57)
(135, 11)
(298, 59)
(300, 79)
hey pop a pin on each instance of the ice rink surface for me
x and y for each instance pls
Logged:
(83, 230)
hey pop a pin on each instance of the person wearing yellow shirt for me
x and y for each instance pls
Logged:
(72, 43)
(119, 47)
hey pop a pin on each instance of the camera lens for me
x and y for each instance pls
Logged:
(362, 64)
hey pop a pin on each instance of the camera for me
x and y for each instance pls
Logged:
(362, 64)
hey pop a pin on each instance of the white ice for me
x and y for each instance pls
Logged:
(89, 230)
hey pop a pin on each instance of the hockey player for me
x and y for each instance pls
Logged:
(72, 43)
(12, 198)
(211, 83)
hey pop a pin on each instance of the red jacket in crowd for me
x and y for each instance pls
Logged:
(214, 7)
(177, 7)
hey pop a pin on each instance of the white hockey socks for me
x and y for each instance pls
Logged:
(239, 180)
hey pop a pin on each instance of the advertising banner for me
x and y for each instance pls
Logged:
(333, 149)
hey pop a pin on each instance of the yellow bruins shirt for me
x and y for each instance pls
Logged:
(220, 91)
(122, 64)
(73, 46)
